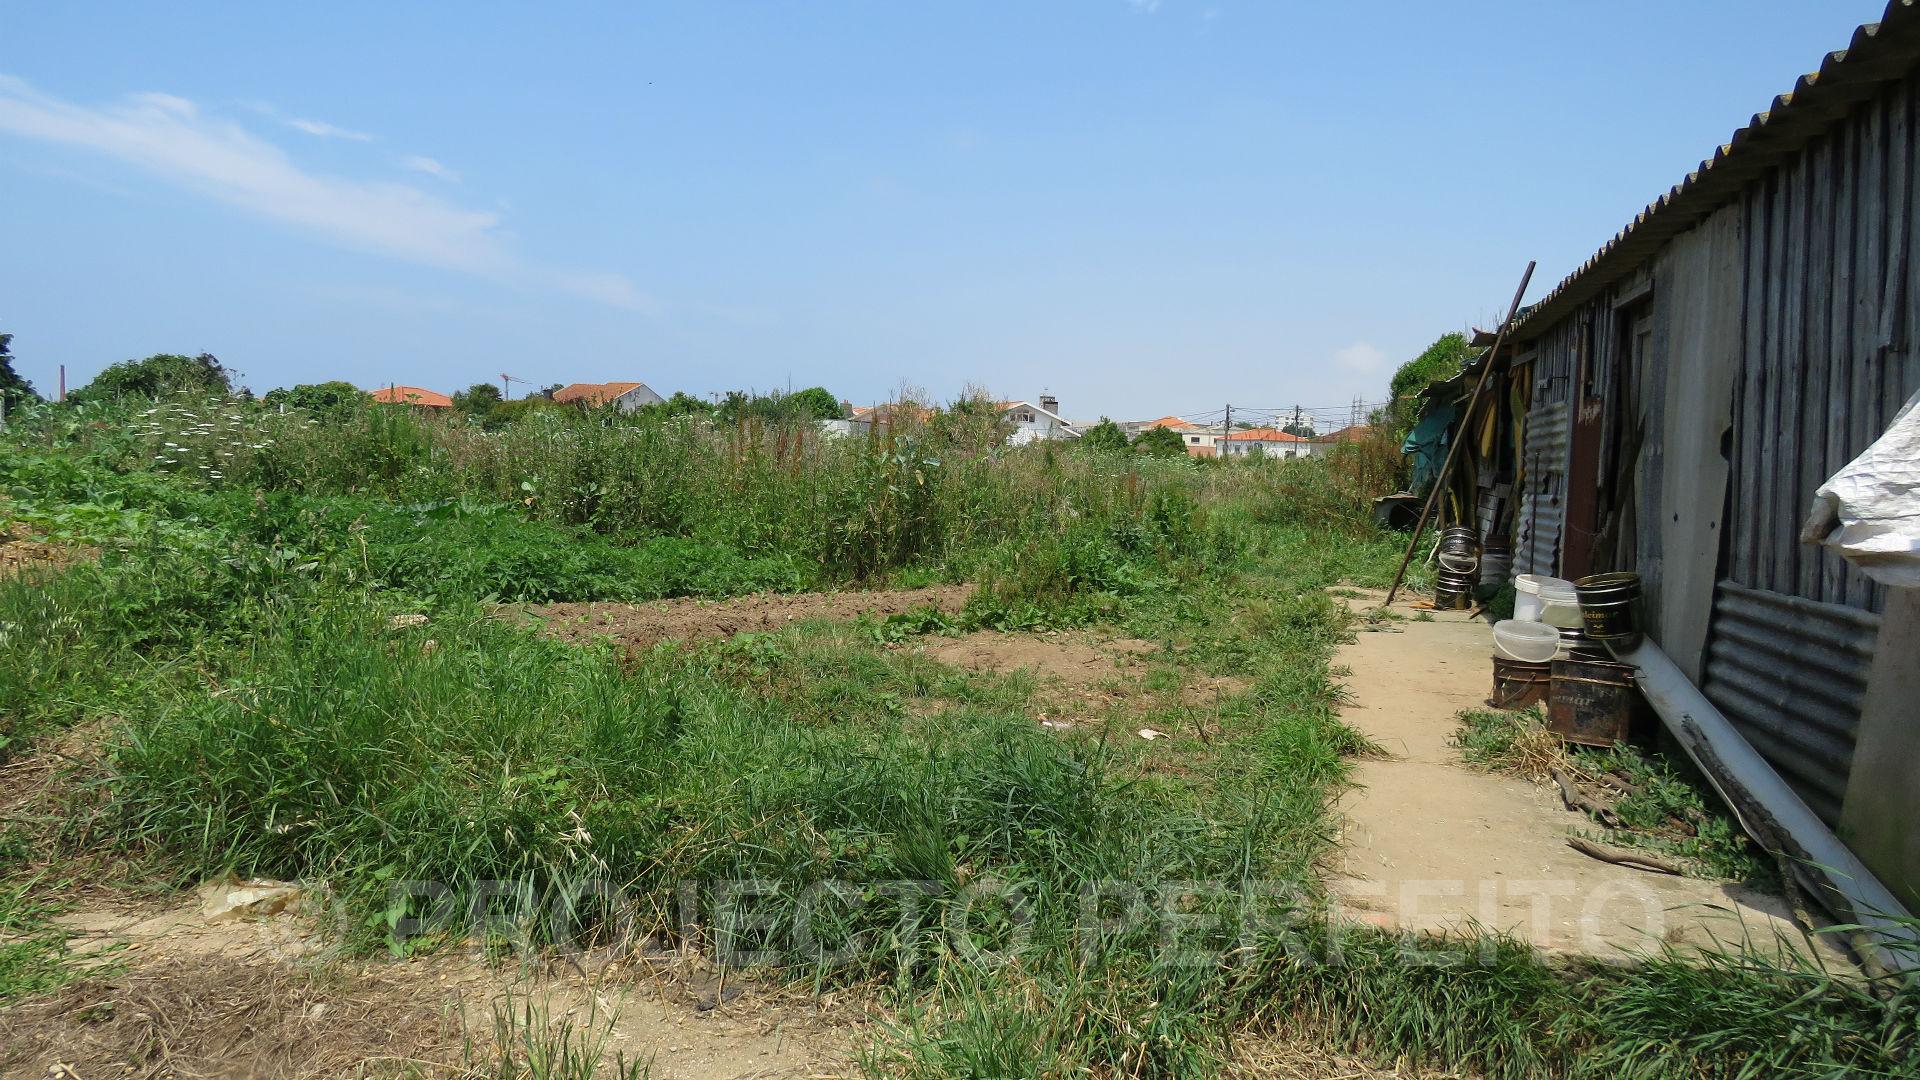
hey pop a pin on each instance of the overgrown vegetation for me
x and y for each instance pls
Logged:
(266, 713)
(1440, 361)
(1653, 801)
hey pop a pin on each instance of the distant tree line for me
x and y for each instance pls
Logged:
(170, 373)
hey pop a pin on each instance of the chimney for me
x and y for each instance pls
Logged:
(1050, 403)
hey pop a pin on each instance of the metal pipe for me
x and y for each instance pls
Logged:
(1771, 811)
(1453, 451)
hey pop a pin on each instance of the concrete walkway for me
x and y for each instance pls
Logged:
(1429, 844)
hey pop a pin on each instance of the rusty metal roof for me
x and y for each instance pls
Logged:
(1879, 53)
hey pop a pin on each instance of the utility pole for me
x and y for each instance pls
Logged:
(63, 382)
(1226, 429)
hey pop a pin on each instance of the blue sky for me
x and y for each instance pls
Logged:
(1143, 207)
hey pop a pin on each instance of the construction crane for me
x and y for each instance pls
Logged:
(506, 391)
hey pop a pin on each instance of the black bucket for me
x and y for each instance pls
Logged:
(1607, 606)
(1518, 684)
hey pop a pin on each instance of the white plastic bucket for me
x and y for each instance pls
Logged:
(1533, 593)
(1528, 642)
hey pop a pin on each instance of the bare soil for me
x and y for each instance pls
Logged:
(19, 554)
(177, 995)
(639, 626)
(1080, 661)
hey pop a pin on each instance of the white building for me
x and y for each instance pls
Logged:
(1036, 423)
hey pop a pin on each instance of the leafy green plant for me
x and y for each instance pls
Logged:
(157, 376)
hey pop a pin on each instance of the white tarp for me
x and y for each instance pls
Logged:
(1869, 512)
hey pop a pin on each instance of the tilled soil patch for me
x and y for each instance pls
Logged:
(637, 626)
(1079, 661)
(21, 555)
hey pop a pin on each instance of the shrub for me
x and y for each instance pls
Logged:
(157, 376)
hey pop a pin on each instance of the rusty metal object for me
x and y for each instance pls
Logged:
(1518, 683)
(1591, 701)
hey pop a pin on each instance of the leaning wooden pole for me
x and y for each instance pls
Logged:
(1453, 451)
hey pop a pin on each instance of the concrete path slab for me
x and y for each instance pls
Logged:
(1429, 844)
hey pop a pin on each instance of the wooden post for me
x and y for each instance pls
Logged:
(1466, 430)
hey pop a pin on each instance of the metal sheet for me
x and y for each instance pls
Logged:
(1773, 813)
(1791, 675)
(1689, 404)
(1542, 507)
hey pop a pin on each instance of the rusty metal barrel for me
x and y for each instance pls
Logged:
(1591, 701)
(1519, 683)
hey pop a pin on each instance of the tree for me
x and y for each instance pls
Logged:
(157, 376)
(334, 400)
(1159, 442)
(680, 404)
(1103, 437)
(1442, 360)
(14, 390)
(478, 399)
(814, 403)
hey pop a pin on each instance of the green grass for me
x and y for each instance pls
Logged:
(33, 953)
(263, 717)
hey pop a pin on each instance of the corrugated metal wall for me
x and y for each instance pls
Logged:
(1791, 674)
(1807, 287)
(1828, 348)
(1683, 392)
(1827, 359)
(1544, 463)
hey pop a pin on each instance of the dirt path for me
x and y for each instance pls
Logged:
(640, 625)
(270, 997)
(1431, 845)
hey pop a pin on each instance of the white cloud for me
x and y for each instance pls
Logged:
(1361, 356)
(328, 131)
(170, 138)
(421, 163)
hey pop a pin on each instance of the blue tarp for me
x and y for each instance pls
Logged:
(1428, 442)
